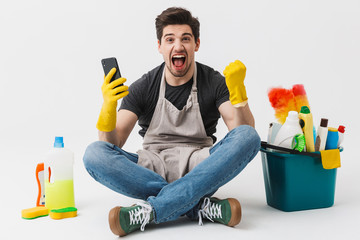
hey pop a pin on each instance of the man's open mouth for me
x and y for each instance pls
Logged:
(178, 60)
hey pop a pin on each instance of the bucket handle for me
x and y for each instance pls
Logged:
(265, 145)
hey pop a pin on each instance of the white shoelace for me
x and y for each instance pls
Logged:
(141, 215)
(209, 210)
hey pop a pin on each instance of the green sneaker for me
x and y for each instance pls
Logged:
(124, 220)
(227, 211)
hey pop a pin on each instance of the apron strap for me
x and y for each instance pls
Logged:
(193, 94)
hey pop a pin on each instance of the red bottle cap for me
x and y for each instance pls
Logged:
(341, 129)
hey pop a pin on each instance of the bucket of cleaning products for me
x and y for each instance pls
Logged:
(296, 180)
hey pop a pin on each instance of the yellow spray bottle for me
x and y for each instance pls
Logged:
(59, 186)
(307, 127)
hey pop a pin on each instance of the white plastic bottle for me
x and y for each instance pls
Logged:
(288, 130)
(273, 131)
(58, 169)
(341, 131)
(321, 136)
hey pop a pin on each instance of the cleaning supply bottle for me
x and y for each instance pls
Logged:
(332, 138)
(306, 116)
(321, 135)
(273, 131)
(59, 186)
(288, 131)
(341, 131)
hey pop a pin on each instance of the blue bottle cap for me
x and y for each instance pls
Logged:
(59, 142)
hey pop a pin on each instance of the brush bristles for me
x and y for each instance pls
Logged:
(300, 96)
(282, 100)
(285, 100)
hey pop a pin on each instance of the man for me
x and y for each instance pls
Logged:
(177, 105)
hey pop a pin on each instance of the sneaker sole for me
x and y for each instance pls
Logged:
(235, 212)
(114, 222)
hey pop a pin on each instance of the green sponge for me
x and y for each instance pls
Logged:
(32, 213)
(63, 213)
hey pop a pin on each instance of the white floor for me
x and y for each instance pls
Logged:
(93, 201)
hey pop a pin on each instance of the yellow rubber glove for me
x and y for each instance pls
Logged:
(234, 76)
(107, 117)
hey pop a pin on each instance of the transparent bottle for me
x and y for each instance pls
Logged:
(58, 174)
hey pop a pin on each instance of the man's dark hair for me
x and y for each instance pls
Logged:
(176, 15)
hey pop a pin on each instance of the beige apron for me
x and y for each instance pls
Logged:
(176, 140)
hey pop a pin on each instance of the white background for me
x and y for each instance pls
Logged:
(50, 78)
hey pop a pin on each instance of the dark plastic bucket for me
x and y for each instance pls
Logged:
(296, 182)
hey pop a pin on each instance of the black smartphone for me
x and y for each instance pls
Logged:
(108, 64)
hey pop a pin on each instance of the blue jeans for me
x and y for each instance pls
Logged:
(118, 170)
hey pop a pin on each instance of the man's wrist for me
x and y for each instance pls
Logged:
(242, 104)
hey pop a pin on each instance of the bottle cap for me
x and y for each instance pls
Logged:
(293, 115)
(59, 142)
(332, 129)
(324, 122)
(341, 129)
(305, 109)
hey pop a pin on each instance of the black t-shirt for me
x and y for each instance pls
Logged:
(144, 93)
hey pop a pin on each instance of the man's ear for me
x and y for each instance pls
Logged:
(159, 45)
(197, 45)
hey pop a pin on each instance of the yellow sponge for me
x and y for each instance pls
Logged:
(63, 213)
(32, 213)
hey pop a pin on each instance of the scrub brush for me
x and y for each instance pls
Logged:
(299, 142)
